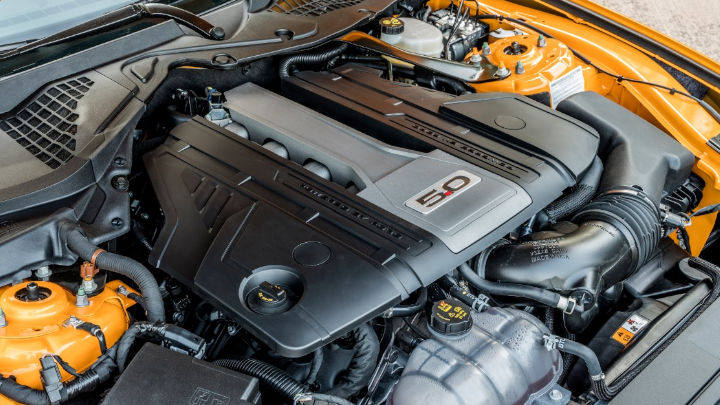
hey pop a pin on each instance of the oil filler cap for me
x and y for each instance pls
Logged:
(391, 26)
(450, 317)
(268, 299)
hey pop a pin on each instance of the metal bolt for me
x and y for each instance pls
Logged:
(502, 71)
(541, 41)
(122, 291)
(89, 285)
(120, 183)
(117, 222)
(519, 68)
(43, 273)
(476, 58)
(485, 48)
(81, 299)
(120, 162)
(3, 320)
(555, 394)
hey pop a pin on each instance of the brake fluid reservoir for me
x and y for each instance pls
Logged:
(492, 357)
(44, 318)
(412, 35)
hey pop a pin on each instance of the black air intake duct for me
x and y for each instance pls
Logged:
(620, 229)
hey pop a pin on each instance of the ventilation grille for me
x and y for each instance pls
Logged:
(312, 8)
(46, 126)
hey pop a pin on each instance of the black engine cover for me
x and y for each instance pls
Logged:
(237, 215)
(263, 218)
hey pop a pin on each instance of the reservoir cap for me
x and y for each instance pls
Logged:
(450, 317)
(391, 26)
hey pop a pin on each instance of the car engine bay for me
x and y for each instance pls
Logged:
(354, 202)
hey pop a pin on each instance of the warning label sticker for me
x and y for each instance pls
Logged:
(631, 327)
(565, 86)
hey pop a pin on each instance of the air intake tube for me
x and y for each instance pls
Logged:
(618, 230)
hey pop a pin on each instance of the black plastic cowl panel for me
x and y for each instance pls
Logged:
(60, 150)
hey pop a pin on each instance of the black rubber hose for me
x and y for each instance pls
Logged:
(581, 194)
(362, 365)
(315, 366)
(315, 58)
(22, 393)
(269, 375)
(540, 295)
(583, 352)
(89, 380)
(451, 285)
(137, 329)
(139, 299)
(456, 86)
(408, 310)
(103, 369)
(125, 266)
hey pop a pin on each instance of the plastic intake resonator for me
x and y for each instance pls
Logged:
(620, 229)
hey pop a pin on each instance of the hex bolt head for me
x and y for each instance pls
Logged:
(555, 394)
(117, 222)
(542, 42)
(485, 48)
(120, 183)
(81, 299)
(43, 273)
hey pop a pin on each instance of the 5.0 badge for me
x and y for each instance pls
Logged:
(442, 191)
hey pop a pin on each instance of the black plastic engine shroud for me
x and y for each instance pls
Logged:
(238, 215)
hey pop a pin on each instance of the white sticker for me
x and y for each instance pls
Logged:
(565, 86)
(635, 323)
(442, 191)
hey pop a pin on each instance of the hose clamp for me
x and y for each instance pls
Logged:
(552, 342)
(481, 303)
(567, 304)
(598, 377)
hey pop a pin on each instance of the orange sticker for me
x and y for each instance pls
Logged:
(623, 336)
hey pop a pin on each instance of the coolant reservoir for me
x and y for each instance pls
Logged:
(494, 357)
(412, 35)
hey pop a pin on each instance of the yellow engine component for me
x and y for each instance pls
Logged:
(541, 65)
(40, 327)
